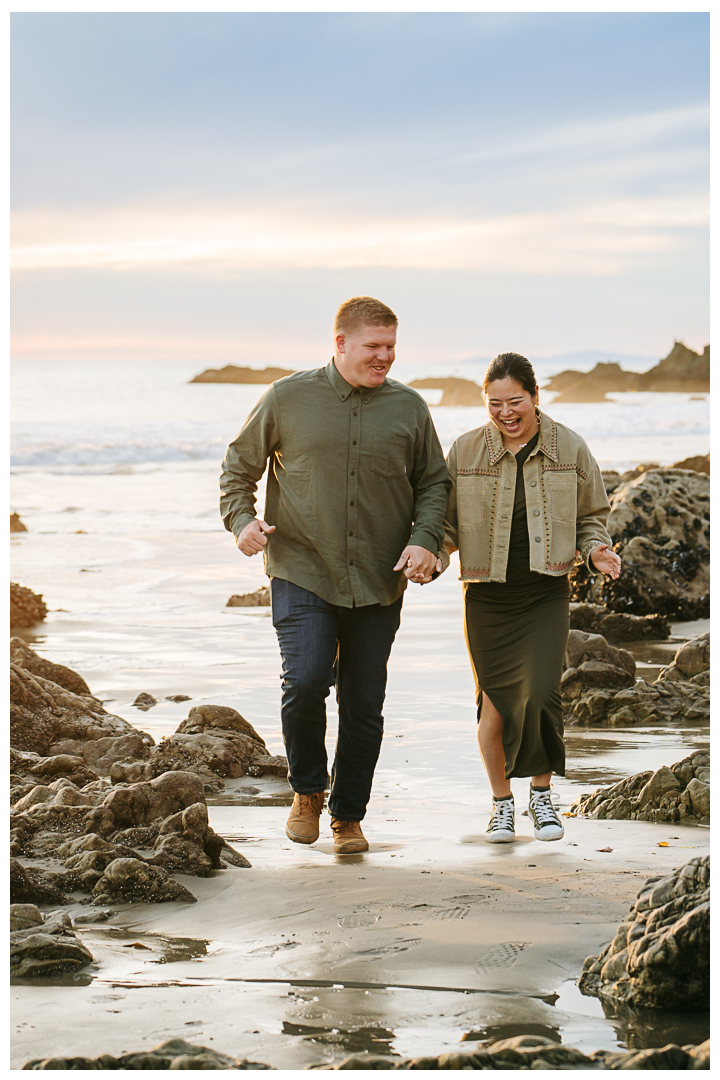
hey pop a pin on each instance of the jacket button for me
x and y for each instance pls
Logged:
(533, 483)
(351, 563)
(352, 472)
(537, 513)
(537, 539)
(349, 534)
(354, 442)
(355, 414)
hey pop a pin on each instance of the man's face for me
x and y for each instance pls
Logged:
(364, 356)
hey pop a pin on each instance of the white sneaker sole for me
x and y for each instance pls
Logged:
(550, 832)
(499, 836)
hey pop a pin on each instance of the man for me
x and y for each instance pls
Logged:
(356, 494)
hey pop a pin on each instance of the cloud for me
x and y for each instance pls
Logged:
(597, 238)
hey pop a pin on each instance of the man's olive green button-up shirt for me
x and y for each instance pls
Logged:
(355, 476)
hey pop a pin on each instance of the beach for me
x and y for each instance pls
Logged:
(431, 940)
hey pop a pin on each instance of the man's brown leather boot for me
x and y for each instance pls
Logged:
(303, 825)
(348, 837)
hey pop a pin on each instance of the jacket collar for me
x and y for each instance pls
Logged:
(547, 441)
(343, 389)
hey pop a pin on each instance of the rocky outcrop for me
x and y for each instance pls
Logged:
(131, 881)
(618, 626)
(44, 714)
(520, 1052)
(537, 1052)
(455, 391)
(682, 370)
(591, 662)
(171, 1054)
(678, 793)
(260, 598)
(32, 885)
(233, 374)
(26, 607)
(660, 525)
(43, 945)
(16, 525)
(23, 656)
(215, 741)
(675, 694)
(660, 955)
(698, 463)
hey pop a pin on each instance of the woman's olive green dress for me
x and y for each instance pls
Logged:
(516, 633)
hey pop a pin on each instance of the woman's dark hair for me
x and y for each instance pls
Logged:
(511, 365)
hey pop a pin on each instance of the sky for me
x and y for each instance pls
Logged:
(213, 186)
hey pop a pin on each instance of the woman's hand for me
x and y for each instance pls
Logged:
(606, 560)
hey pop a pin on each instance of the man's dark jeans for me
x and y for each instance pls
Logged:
(322, 644)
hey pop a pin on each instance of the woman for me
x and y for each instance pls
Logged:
(527, 493)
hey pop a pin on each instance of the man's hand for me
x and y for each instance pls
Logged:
(253, 538)
(606, 560)
(418, 564)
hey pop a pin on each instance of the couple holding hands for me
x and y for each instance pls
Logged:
(360, 500)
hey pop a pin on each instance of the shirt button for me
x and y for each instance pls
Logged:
(352, 503)
(354, 442)
(352, 473)
(537, 539)
(537, 513)
(351, 563)
(355, 413)
(349, 534)
(533, 483)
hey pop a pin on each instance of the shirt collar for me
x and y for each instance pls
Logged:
(344, 390)
(547, 441)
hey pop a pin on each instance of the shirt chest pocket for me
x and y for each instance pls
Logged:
(475, 500)
(561, 494)
(388, 455)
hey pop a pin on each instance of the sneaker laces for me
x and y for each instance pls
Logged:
(542, 807)
(503, 814)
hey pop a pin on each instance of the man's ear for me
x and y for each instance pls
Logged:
(340, 343)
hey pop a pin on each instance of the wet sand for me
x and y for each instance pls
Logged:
(430, 937)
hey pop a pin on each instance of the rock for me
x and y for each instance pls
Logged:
(272, 764)
(133, 881)
(101, 754)
(660, 956)
(232, 374)
(42, 713)
(455, 391)
(259, 598)
(171, 1054)
(643, 467)
(187, 843)
(592, 385)
(178, 697)
(590, 662)
(26, 607)
(45, 947)
(70, 767)
(16, 525)
(690, 660)
(611, 480)
(217, 718)
(660, 526)
(615, 627)
(23, 656)
(682, 371)
(130, 772)
(31, 885)
(24, 915)
(678, 793)
(214, 740)
(144, 701)
(699, 463)
(141, 804)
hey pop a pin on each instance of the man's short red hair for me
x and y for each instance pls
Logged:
(363, 311)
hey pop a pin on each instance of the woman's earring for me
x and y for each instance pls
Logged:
(537, 412)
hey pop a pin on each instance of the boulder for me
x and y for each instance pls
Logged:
(101, 754)
(187, 843)
(31, 885)
(45, 946)
(616, 626)
(660, 526)
(134, 881)
(144, 701)
(233, 374)
(217, 718)
(681, 371)
(146, 802)
(591, 662)
(268, 764)
(26, 607)
(660, 955)
(678, 793)
(699, 463)
(260, 598)
(23, 656)
(24, 915)
(691, 659)
(16, 525)
(40, 769)
(42, 713)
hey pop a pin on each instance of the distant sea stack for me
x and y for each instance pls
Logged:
(682, 370)
(455, 391)
(232, 374)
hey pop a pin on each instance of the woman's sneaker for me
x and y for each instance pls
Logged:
(547, 824)
(502, 823)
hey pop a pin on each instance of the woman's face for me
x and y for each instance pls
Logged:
(512, 409)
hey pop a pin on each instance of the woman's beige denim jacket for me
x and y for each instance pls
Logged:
(567, 505)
